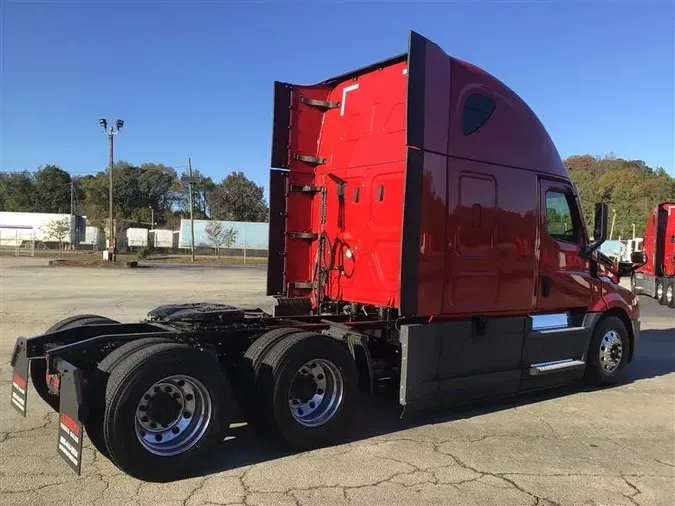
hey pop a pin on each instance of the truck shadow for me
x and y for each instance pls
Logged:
(655, 357)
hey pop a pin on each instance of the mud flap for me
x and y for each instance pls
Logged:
(72, 412)
(19, 363)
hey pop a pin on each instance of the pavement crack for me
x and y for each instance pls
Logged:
(634, 488)
(197, 488)
(498, 476)
(46, 421)
(664, 463)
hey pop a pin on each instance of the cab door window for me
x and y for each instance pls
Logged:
(560, 223)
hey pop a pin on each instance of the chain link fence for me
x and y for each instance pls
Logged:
(18, 242)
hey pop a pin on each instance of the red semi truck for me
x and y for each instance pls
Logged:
(656, 277)
(422, 228)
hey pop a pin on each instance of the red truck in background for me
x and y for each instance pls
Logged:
(422, 228)
(656, 277)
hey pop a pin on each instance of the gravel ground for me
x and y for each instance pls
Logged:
(570, 446)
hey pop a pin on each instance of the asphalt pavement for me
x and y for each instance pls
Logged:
(569, 446)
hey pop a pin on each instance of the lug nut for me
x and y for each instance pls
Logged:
(153, 425)
(189, 397)
(187, 414)
(175, 430)
(320, 376)
(143, 408)
(144, 419)
(319, 391)
(311, 405)
(158, 437)
(157, 389)
(181, 383)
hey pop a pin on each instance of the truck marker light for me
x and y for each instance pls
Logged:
(405, 71)
(344, 96)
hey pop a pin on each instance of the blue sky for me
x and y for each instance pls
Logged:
(195, 78)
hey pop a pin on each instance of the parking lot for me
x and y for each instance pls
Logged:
(571, 446)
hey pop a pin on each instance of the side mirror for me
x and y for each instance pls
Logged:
(600, 227)
(639, 257)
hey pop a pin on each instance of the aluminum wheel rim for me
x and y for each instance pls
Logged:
(611, 351)
(659, 291)
(316, 392)
(669, 294)
(171, 431)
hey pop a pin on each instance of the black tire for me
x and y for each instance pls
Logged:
(596, 371)
(127, 384)
(277, 371)
(38, 367)
(96, 387)
(662, 299)
(669, 285)
(249, 367)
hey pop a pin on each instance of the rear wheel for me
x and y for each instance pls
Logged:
(38, 367)
(608, 351)
(308, 391)
(669, 293)
(167, 408)
(250, 366)
(96, 387)
(660, 292)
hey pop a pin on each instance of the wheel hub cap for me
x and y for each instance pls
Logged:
(172, 415)
(611, 351)
(164, 408)
(316, 392)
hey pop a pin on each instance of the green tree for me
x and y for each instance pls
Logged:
(17, 192)
(52, 190)
(220, 236)
(57, 230)
(200, 195)
(237, 198)
(630, 187)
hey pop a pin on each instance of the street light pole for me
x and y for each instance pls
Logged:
(112, 246)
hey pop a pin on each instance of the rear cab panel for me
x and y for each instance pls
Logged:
(347, 149)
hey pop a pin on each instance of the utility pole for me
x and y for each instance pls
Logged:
(112, 246)
(72, 213)
(152, 217)
(611, 230)
(192, 207)
(189, 179)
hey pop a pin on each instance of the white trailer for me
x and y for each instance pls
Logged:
(162, 238)
(35, 226)
(137, 237)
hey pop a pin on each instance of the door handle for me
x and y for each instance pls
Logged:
(545, 286)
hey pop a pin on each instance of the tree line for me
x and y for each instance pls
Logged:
(630, 187)
(142, 191)
(141, 194)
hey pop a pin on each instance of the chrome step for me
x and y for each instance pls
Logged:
(558, 365)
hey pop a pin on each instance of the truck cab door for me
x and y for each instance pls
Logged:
(564, 282)
(556, 339)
